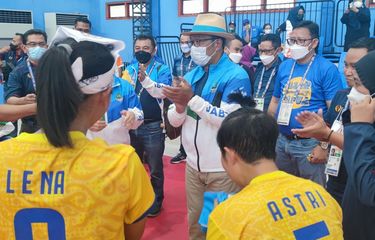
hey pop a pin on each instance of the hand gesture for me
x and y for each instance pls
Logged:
(363, 111)
(29, 98)
(98, 126)
(141, 72)
(179, 95)
(313, 125)
(128, 118)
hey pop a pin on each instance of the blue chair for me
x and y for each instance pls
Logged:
(341, 70)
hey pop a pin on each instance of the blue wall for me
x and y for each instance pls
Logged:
(166, 21)
(39, 7)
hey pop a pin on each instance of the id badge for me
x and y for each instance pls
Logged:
(337, 127)
(334, 161)
(260, 103)
(285, 113)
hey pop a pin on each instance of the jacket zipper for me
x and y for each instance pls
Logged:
(195, 143)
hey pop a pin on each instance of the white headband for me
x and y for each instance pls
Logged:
(94, 84)
(97, 83)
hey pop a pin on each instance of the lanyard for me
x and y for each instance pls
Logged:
(182, 66)
(31, 74)
(261, 81)
(303, 79)
(147, 74)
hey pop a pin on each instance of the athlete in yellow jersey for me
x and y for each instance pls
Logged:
(57, 184)
(272, 204)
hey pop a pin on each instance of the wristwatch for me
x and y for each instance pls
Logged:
(324, 145)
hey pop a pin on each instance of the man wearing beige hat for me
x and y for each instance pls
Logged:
(201, 102)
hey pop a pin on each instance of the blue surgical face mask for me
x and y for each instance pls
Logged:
(36, 53)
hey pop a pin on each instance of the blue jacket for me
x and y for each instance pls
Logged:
(202, 119)
(159, 73)
(123, 97)
(359, 197)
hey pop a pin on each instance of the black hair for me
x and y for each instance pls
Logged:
(364, 42)
(274, 38)
(58, 94)
(311, 26)
(21, 35)
(267, 24)
(251, 133)
(236, 37)
(34, 32)
(146, 37)
(82, 19)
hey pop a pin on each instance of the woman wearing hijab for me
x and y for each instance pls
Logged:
(295, 16)
(59, 180)
(248, 53)
(359, 155)
(357, 20)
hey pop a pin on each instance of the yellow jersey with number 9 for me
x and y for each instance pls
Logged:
(277, 206)
(86, 192)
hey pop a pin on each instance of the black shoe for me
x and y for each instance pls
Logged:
(178, 158)
(154, 212)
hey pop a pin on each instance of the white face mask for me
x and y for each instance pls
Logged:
(185, 48)
(358, 4)
(266, 59)
(199, 55)
(267, 31)
(297, 51)
(355, 96)
(235, 57)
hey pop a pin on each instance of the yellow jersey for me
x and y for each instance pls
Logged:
(277, 206)
(86, 192)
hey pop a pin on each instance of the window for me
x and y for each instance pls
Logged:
(188, 7)
(219, 5)
(245, 5)
(192, 6)
(278, 4)
(119, 10)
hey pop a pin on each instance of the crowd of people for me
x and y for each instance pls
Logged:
(293, 150)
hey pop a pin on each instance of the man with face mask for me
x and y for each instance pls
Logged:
(336, 115)
(357, 19)
(265, 74)
(307, 82)
(148, 139)
(201, 102)
(11, 55)
(233, 49)
(232, 27)
(182, 64)
(21, 83)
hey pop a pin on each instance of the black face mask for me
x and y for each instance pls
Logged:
(13, 47)
(142, 56)
(300, 16)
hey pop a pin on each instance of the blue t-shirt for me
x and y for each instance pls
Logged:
(322, 82)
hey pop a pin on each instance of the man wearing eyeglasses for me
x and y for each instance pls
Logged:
(201, 102)
(307, 82)
(265, 74)
(21, 83)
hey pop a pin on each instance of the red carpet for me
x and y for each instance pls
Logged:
(171, 224)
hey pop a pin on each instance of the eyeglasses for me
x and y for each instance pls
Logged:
(198, 42)
(186, 42)
(266, 51)
(34, 44)
(302, 42)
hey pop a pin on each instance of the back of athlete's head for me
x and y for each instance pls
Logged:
(67, 74)
(251, 133)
